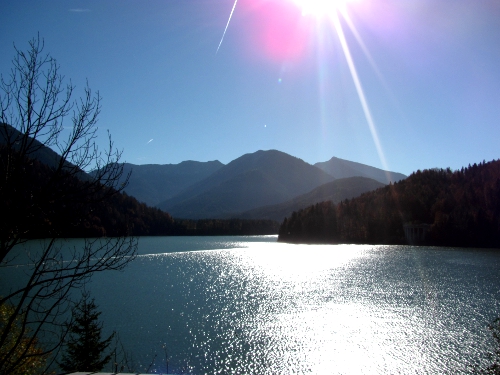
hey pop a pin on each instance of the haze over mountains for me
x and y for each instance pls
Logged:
(335, 191)
(341, 168)
(265, 184)
(154, 183)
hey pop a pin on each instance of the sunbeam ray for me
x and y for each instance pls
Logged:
(362, 44)
(227, 25)
(371, 60)
(359, 89)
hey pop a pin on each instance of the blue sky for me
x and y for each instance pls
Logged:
(280, 79)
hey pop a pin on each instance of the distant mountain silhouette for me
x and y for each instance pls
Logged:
(154, 183)
(335, 191)
(341, 168)
(38, 151)
(250, 181)
(149, 183)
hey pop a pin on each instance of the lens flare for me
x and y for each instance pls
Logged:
(281, 32)
(321, 8)
(360, 91)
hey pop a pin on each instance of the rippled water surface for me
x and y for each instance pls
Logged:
(249, 305)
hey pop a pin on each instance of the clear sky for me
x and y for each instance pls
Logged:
(402, 84)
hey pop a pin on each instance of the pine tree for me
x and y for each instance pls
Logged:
(84, 348)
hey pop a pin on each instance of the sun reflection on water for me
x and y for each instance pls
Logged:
(271, 308)
(295, 314)
(284, 262)
(301, 325)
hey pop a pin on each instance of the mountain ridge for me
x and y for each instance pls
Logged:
(250, 182)
(341, 168)
(169, 179)
(283, 176)
(334, 191)
(249, 185)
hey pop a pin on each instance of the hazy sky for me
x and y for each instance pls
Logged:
(422, 89)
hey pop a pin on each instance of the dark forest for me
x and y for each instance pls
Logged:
(461, 208)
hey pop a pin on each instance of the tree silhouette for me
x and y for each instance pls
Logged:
(35, 102)
(84, 349)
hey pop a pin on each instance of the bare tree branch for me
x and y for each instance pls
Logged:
(35, 100)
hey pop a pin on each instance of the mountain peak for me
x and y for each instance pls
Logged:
(280, 177)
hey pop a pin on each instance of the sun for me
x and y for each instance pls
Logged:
(281, 33)
(321, 8)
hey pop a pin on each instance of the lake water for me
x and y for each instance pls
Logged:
(250, 305)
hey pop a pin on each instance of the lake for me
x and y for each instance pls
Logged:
(250, 305)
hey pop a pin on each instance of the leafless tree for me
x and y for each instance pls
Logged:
(38, 114)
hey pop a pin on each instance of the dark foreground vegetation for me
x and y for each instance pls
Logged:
(48, 193)
(462, 208)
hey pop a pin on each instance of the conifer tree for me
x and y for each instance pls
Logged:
(84, 348)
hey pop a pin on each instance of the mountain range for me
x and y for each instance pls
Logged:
(261, 185)
(250, 181)
(153, 183)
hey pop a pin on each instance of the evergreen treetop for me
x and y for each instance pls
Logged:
(84, 348)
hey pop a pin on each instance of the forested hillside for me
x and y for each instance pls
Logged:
(224, 227)
(51, 207)
(461, 207)
(71, 207)
(335, 191)
(64, 210)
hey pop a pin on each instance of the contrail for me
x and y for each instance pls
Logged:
(229, 20)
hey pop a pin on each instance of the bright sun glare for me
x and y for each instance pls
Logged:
(321, 8)
(333, 10)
